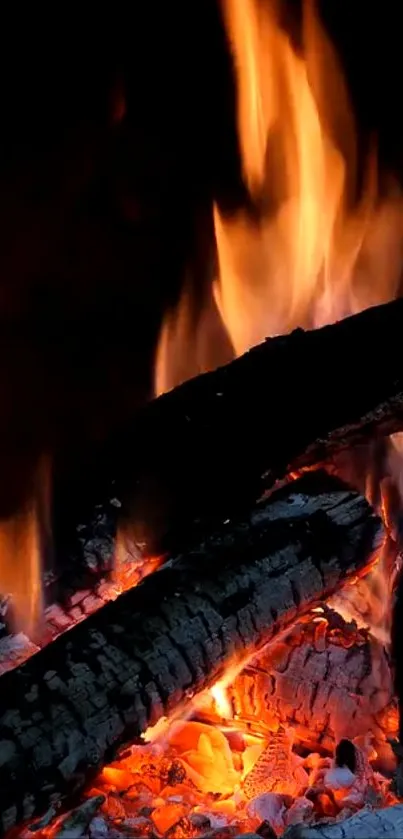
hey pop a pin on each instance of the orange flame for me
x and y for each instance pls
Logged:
(317, 252)
(20, 566)
(368, 600)
(311, 258)
(21, 540)
(317, 248)
(127, 574)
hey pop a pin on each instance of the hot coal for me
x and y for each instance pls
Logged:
(327, 678)
(228, 775)
(137, 658)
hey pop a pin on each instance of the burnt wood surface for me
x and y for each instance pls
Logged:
(207, 450)
(326, 678)
(71, 706)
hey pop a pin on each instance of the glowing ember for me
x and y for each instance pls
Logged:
(130, 566)
(240, 756)
(129, 570)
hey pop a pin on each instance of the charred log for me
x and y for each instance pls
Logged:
(209, 449)
(326, 678)
(70, 707)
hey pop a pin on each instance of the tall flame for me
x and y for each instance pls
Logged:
(318, 252)
(21, 542)
(320, 248)
(323, 241)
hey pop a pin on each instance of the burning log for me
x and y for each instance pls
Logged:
(368, 824)
(70, 707)
(326, 678)
(212, 446)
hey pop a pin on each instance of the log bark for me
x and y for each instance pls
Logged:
(209, 449)
(367, 824)
(325, 678)
(69, 708)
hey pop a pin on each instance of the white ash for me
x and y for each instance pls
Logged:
(75, 823)
(216, 820)
(269, 807)
(15, 649)
(99, 828)
(367, 824)
(300, 811)
(339, 777)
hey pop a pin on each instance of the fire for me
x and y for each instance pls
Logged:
(21, 544)
(220, 767)
(20, 573)
(317, 247)
(368, 600)
(308, 260)
(222, 703)
(324, 240)
(128, 573)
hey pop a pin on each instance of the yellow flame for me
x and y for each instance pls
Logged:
(316, 250)
(20, 566)
(310, 258)
(221, 701)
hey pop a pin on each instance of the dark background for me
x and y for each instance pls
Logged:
(102, 205)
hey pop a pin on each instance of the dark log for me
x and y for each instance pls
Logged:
(70, 707)
(209, 449)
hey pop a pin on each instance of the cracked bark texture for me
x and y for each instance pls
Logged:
(327, 679)
(70, 707)
(213, 445)
(367, 824)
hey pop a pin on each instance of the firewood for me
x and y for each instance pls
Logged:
(325, 678)
(367, 824)
(70, 707)
(208, 449)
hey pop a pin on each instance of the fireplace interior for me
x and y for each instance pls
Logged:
(201, 532)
